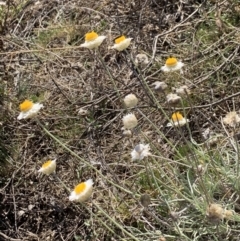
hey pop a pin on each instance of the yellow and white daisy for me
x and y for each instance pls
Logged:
(48, 167)
(92, 40)
(82, 191)
(129, 121)
(172, 64)
(140, 151)
(177, 120)
(130, 100)
(28, 109)
(121, 43)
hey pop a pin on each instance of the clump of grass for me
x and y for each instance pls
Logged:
(5, 134)
(46, 37)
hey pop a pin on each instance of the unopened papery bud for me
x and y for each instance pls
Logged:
(228, 214)
(162, 238)
(130, 100)
(127, 133)
(145, 200)
(129, 121)
(160, 86)
(215, 213)
(174, 215)
(173, 99)
(183, 90)
(231, 119)
(141, 60)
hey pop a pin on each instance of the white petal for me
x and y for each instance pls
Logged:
(83, 196)
(94, 43)
(169, 124)
(49, 169)
(122, 45)
(30, 113)
(178, 66)
(140, 151)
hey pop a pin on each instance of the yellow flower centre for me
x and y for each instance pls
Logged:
(80, 188)
(47, 164)
(120, 39)
(177, 117)
(26, 105)
(171, 62)
(90, 36)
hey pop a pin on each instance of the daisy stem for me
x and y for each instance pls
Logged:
(114, 222)
(99, 219)
(159, 132)
(102, 211)
(82, 160)
(109, 73)
(148, 174)
(237, 148)
(139, 75)
(171, 161)
(64, 185)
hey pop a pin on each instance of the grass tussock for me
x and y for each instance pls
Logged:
(155, 126)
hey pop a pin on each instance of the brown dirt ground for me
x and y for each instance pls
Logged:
(40, 59)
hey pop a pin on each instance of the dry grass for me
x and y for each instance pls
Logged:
(167, 195)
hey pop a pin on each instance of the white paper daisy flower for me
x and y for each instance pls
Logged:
(172, 64)
(82, 191)
(177, 120)
(140, 151)
(48, 167)
(121, 43)
(92, 40)
(28, 109)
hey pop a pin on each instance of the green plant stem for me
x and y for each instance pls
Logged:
(102, 211)
(109, 73)
(149, 91)
(64, 185)
(115, 223)
(159, 132)
(82, 160)
(99, 219)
